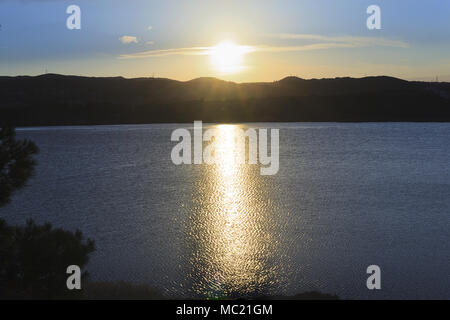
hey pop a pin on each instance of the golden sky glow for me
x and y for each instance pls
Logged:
(235, 40)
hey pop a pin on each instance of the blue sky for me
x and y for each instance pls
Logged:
(309, 39)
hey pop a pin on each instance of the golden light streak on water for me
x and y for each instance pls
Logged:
(231, 232)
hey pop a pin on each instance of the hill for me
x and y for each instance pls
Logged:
(53, 99)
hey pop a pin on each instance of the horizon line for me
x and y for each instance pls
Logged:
(216, 78)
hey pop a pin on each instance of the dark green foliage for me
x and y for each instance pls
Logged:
(34, 259)
(16, 163)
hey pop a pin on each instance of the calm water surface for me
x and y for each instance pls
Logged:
(346, 196)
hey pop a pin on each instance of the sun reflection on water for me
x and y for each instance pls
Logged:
(230, 232)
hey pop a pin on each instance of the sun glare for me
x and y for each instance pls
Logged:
(227, 57)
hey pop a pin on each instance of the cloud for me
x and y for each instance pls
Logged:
(194, 51)
(128, 39)
(150, 42)
(352, 41)
(149, 28)
(319, 43)
(306, 47)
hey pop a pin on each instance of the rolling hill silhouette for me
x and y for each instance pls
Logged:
(53, 99)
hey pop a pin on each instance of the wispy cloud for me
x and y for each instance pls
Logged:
(352, 41)
(194, 51)
(306, 47)
(128, 39)
(319, 42)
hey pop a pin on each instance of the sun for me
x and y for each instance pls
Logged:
(227, 57)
